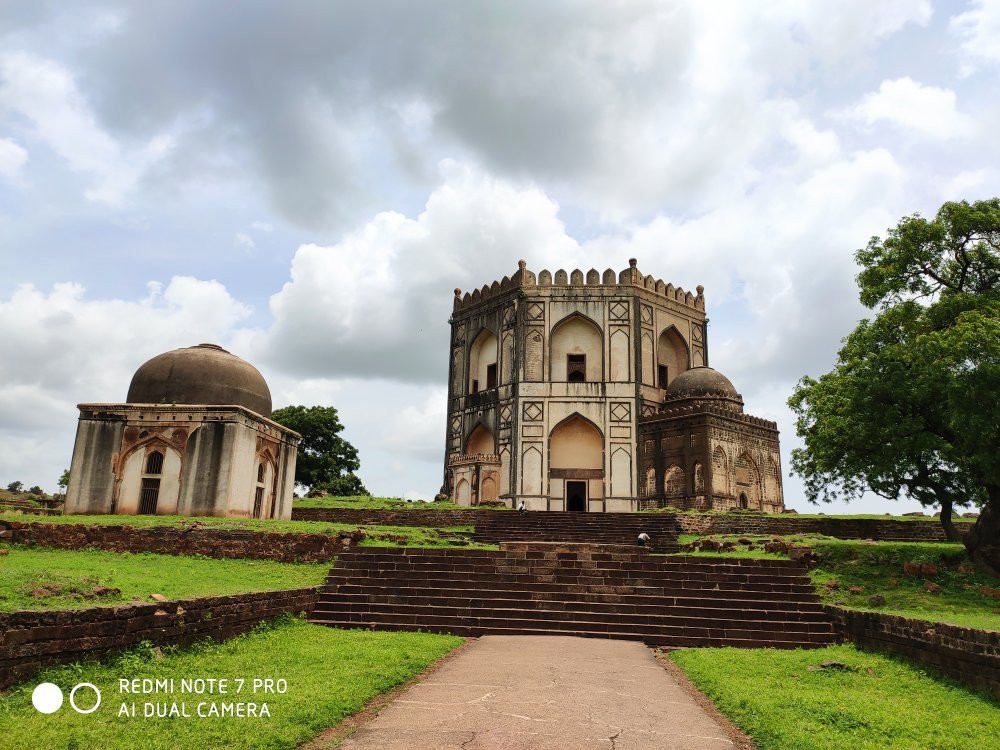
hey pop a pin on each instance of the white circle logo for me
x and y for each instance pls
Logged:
(47, 698)
(72, 695)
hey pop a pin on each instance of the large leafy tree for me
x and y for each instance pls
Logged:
(911, 407)
(326, 460)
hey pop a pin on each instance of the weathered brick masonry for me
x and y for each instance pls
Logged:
(30, 641)
(971, 656)
(375, 517)
(888, 530)
(174, 540)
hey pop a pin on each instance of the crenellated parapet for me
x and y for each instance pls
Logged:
(630, 277)
(697, 409)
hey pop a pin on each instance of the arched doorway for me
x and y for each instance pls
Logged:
(576, 463)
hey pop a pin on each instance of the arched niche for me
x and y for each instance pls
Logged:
(577, 351)
(747, 477)
(150, 479)
(483, 362)
(672, 357)
(463, 492)
(576, 463)
(480, 440)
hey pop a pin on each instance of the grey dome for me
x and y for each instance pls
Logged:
(701, 382)
(204, 374)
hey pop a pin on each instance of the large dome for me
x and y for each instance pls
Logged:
(204, 374)
(701, 382)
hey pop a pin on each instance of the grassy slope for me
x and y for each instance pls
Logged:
(412, 536)
(382, 503)
(331, 674)
(878, 569)
(784, 701)
(27, 569)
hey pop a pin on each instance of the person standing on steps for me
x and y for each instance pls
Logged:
(643, 539)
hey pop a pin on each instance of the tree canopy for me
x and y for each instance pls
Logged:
(326, 460)
(911, 406)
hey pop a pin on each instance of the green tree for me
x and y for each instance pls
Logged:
(911, 405)
(15, 486)
(326, 461)
(64, 480)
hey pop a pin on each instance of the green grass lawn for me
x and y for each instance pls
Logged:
(330, 674)
(45, 578)
(392, 536)
(862, 569)
(382, 503)
(784, 700)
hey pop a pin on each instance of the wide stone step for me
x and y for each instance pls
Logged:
(568, 571)
(622, 598)
(671, 637)
(700, 610)
(755, 590)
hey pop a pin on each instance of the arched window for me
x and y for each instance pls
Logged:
(671, 356)
(154, 463)
(650, 482)
(577, 351)
(483, 362)
(699, 479)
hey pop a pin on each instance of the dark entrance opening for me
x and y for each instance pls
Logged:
(576, 496)
(576, 368)
(491, 376)
(661, 376)
(744, 503)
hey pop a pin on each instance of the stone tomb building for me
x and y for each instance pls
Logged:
(592, 392)
(194, 438)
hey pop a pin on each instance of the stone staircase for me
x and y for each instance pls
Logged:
(592, 528)
(600, 591)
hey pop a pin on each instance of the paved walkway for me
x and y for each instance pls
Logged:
(544, 693)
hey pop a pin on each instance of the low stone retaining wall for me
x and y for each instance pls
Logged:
(965, 654)
(175, 540)
(32, 640)
(887, 530)
(374, 517)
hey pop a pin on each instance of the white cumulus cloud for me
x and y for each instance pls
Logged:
(910, 105)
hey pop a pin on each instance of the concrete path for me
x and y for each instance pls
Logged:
(544, 693)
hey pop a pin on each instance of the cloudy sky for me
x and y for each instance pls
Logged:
(306, 182)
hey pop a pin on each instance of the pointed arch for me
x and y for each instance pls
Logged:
(480, 440)
(720, 472)
(747, 477)
(699, 478)
(576, 443)
(674, 482)
(483, 355)
(149, 478)
(672, 356)
(576, 350)
(650, 486)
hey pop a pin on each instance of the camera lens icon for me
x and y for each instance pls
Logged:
(47, 698)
